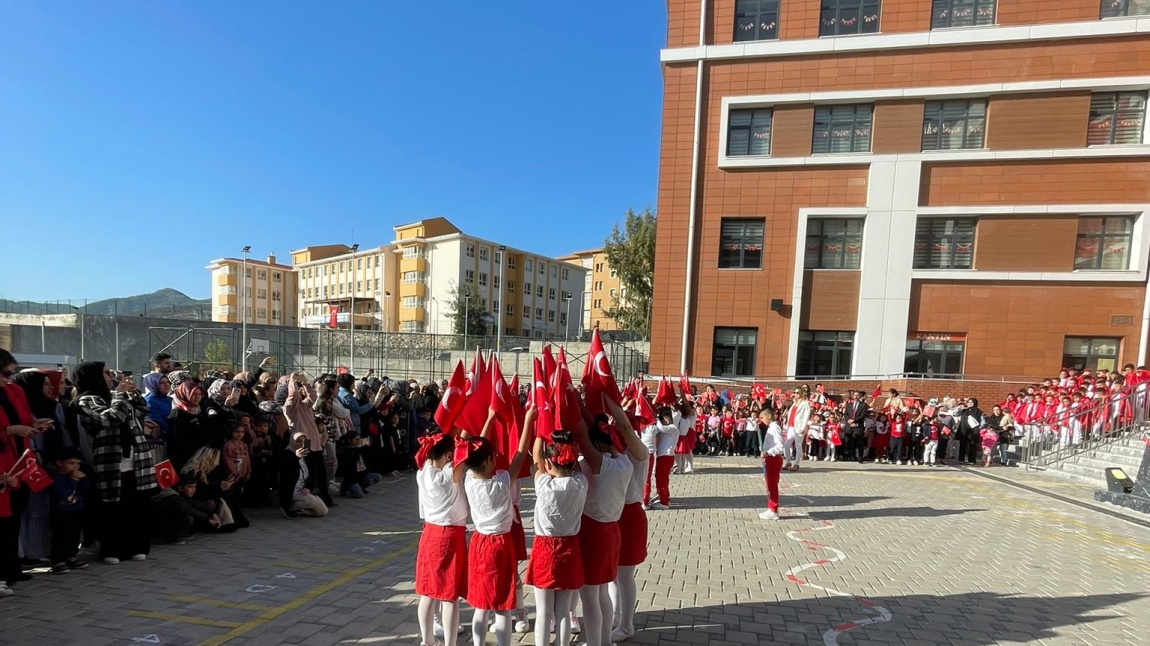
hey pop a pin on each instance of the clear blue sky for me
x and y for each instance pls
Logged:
(139, 140)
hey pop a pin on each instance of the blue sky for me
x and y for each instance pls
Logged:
(139, 140)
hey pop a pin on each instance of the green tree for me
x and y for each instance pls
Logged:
(631, 253)
(464, 305)
(216, 356)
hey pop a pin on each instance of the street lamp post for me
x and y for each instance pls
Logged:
(386, 329)
(582, 309)
(499, 315)
(244, 311)
(351, 341)
(567, 324)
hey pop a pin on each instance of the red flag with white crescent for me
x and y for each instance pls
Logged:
(598, 378)
(166, 474)
(665, 395)
(503, 425)
(451, 404)
(685, 388)
(475, 408)
(541, 402)
(566, 399)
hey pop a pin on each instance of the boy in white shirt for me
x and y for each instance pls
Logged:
(771, 442)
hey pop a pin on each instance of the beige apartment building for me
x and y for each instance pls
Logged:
(267, 292)
(601, 288)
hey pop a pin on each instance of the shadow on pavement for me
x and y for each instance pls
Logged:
(885, 512)
(967, 619)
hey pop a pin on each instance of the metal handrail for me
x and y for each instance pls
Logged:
(1057, 437)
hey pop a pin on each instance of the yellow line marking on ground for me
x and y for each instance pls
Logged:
(347, 558)
(199, 621)
(207, 601)
(310, 595)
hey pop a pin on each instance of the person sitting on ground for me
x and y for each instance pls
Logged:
(213, 483)
(179, 514)
(352, 470)
(296, 480)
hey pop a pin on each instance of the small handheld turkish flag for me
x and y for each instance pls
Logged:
(26, 461)
(166, 475)
(27, 470)
(451, 404)
(685, 388)
(877, 392)
(541, 402)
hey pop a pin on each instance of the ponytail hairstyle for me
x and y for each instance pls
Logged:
(444, 446)
(666, 415)
(598, 433)
(480, 454)
(561, 452)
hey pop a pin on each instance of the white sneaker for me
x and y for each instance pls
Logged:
(111, 561)
(900, 463)
(576, 627)
(620, 635)
(769, 515)
(646, 507)
(5, 591)
(658, 506)
(688, 470)
(437, 629)
(140, 557)
(522, 626)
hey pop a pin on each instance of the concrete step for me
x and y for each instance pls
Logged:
(1102, 461)
(1082, 473)
(1088, 478)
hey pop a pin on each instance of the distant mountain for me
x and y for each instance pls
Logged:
(165, 303)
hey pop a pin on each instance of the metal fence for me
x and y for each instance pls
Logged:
(318, 351)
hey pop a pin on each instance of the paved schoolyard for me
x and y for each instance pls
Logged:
(876, 554)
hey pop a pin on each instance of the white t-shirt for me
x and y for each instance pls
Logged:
(639, 476)
(687, 424)
(607, 490)
(441, 501)
(660, 438)
(490, 501)
(559, 504)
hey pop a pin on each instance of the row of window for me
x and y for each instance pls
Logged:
(1103, 243)
(340, 267)
(371, 284)
(759, 19)
(828, 354)
(1115, 118)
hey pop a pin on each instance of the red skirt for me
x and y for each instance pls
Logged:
(686, 444)
(441, 564)
(492, 572)
(556, 563)
(633, 533)
(518, 537)
(600, 542)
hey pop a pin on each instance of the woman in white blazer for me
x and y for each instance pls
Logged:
(795, 426)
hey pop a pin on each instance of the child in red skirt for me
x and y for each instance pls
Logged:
(632, 552)
(441, 564)
(608, 473)
(492, 568)
(688, 435)
(556, 565)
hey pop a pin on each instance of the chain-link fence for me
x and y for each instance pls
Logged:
(318, 351)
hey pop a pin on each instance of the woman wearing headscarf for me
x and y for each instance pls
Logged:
(17, 424)
(41, 394)
(159, 390)
(187, 423)
(219, 409)
(124, 475)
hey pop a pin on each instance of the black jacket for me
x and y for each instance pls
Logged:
(289, 470)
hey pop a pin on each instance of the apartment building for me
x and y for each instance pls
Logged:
(267, 291)
(406, 285)
(601, 288)
(881, 187)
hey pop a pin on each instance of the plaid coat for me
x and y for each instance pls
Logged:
(105, 424)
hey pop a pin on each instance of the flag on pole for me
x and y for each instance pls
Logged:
(451, 404)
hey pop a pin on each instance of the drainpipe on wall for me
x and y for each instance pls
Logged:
(687, 299)
(1145, 336)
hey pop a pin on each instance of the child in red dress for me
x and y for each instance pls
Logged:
(441, 563)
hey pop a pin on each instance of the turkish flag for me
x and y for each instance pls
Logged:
(27, 470)
(519, 415)
(549, 367)
(502, 433)
(478, 403)
(333, 316)
(665, 396)
(877, 392)
(598, 378)
(451, 405)
(641, 413)
(759, 393)
(26, 461)
(541, 402)
(564, 396)
(685, 388)
(166, 474)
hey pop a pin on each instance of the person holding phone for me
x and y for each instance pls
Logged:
(297, 478)
(301, 420)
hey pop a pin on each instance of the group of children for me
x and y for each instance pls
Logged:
(590, 530)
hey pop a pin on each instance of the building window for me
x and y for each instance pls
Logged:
(261, 313)
(510, 262)
(483, 253)
(526, 289)
(842, 129)
(1118, 8)
(495, 282)
(1116, 118)
(598, 268)
(824, 354)
(749, 132)
(275, 315)
(554, 272)
(526, 311)
(1086, 353)
(539, 291)
(410, 277)
(740, 243)
(954, 125)
(612, 293)
(563, 319)
(843, 17)
(550, 316)
(756, 20)
(510, 310)
(261, 294)
(483, 279)
(834, 243)
(538, 313)
(276, 276)
(1104, 243)
(933, 358)
(358, 286)
(942, 243)
(412, 303)
(614, 274)
(468, 276)
(410, 253)
(470, 251)
(543, 269)
(733, 353)
(527, 265)
(275, 296)
(566, 275)
(411, 327)
(511, 286)
(598, 303)
(551, 294)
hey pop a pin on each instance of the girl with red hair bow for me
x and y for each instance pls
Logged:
(441, 563)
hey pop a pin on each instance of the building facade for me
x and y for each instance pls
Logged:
(882, 187)
(601, 288)
(268, 291)
(407, 284)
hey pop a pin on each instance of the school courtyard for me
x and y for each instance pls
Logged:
(871, 554)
